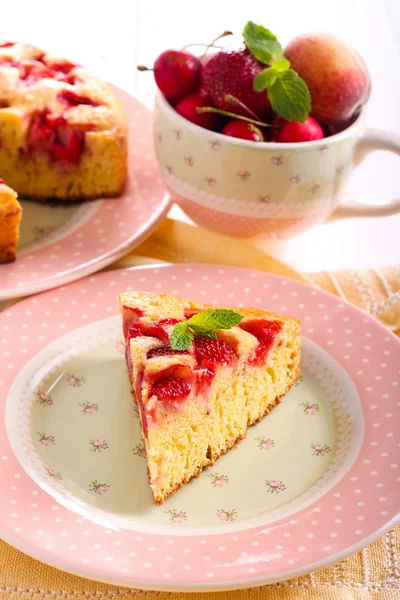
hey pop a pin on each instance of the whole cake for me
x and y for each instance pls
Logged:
(196, 403)
(62, 132)
(10, 217)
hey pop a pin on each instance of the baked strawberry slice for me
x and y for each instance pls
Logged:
(265, 331)
(7, 44)
(31, 71)
(171, 389)
(62, 69)
(56, 136)
(41, 134)
(69, 143)
(71, 99)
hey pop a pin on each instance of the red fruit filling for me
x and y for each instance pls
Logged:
(61, 66)
(1, 181)
(265, 331)
(6, 44)
(132, 329)
(31, 71)
(34, 69)
(210, 354)
(171, 388)
(164, 351)
(171, 385)
(130, 316)
(70, 99)
(53, 134)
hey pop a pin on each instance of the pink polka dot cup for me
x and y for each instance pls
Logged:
(272, 190)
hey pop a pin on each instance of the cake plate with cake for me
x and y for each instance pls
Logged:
(79, 155)
(312, 482)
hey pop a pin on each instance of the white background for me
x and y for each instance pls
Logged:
(113, 37)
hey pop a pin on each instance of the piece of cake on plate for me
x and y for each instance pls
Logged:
(10, 217)
(63, 134)
(201, 377)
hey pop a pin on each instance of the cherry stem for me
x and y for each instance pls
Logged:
(203, 109)
(201, 44)
(236, 102)
(224, 34)
(143, 68)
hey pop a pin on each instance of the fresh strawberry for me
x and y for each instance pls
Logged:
(233, 73)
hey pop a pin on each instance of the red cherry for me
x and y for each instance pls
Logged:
(177, 73)
(187, 108)
(244, 131)
(293, 131)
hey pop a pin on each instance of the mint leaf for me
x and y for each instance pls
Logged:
(181, 337)
(290, 97)
(204, 331)
(204, 323)
(218, 318)
(262, 43)
(282, 65)
(265, 79)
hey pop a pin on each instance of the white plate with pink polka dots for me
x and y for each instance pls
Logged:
(59, 244)
(316, 480)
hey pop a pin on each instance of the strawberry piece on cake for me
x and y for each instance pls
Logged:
(201, 377)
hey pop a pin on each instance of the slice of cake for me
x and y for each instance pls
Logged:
(197, 398)
(63, 134)
(10, 217)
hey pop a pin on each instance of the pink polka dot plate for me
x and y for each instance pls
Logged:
(316, 480)
(59, 244)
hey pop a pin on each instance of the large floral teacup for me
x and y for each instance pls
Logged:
(243, 188)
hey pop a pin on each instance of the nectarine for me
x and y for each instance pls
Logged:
(335, 73)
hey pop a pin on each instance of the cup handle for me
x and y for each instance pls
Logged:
(370, 141)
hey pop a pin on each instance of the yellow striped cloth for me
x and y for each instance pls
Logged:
(372, 574)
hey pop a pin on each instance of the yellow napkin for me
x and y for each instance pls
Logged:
(372, 574)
